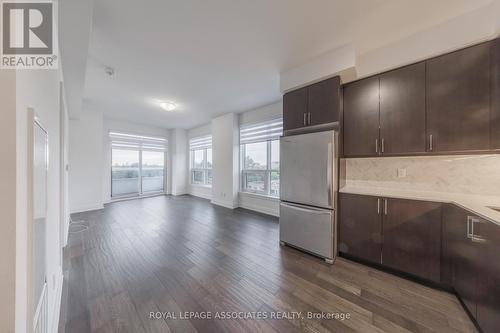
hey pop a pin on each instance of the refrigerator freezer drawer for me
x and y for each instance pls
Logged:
(309, 228)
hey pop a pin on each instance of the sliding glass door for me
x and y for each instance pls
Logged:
(137, 172)
(125, 172)
(153, 171)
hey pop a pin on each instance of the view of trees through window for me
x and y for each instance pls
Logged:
(261, 163)
(201, 166)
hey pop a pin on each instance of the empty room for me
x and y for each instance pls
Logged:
(250, 166)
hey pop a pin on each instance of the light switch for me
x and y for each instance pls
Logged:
(401, 172)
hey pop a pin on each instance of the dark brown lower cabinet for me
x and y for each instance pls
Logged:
(360, 227)
(401, 234)
(471, 255)
(486, 238)
(461, 256)
(412, 237)
(445, 244)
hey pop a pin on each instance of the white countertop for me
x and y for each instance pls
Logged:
(477, 204)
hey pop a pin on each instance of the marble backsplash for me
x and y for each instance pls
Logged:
(467, 174)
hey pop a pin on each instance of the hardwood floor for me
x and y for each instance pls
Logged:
(182, 255)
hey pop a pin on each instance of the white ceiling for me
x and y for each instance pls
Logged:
(218, 56)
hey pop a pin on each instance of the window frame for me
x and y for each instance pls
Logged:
(205, 170)
(267, 172)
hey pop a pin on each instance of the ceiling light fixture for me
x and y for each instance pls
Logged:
(168, 106)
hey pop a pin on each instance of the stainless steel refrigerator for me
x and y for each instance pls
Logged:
(308, 192)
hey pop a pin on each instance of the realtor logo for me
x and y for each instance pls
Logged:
(28, 35)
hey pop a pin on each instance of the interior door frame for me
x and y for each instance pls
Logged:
(64, 220)
(32, 121)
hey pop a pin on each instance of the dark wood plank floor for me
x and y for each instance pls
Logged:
(182, 254)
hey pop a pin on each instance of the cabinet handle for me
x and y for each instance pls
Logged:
(378, 206)
(468, 234)
(305, 119)
(431, 143)
(471, 221)
(376, 146)
(309, 118)
(385, 206)
(383, 145)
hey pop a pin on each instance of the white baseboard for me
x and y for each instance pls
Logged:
(258, 209)
(226, 204)
(199, 195)
(56, 308)
(205, 193)
(87, 208)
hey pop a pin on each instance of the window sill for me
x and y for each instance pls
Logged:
(260, 196)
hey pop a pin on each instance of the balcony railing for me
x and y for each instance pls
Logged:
(130, 186)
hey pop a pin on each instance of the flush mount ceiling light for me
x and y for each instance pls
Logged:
(168, 106)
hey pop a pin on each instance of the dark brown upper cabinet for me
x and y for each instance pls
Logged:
(458, 100)
(361, 118)
(402, 110)
(495, 93)
(317, 104)
(323, 102)
(360, 227)
(412, 237)
(295, 109)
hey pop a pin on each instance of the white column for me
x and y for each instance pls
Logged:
(225, 145)
(178, 161)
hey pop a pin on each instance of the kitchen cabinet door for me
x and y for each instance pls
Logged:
(458, 100)
(462, 255)
(324, 102)
(412, 237)
(361, 118)
(495, 93)
(360, 227)
(487, 241)
(295, 109)
(402, 110)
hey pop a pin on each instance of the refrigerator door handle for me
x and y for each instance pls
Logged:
(308, 209)
(329, 174)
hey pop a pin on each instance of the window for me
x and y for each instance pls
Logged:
(137, 165)
(260, 158)
(200, 164)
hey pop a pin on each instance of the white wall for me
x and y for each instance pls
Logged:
(225, 148)
(131, 128)
(340, 60)
(261, 114)
(178, 146)
(470, 28)
(39, 89)
(198, 190)
(8, 176)
(86, 163)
